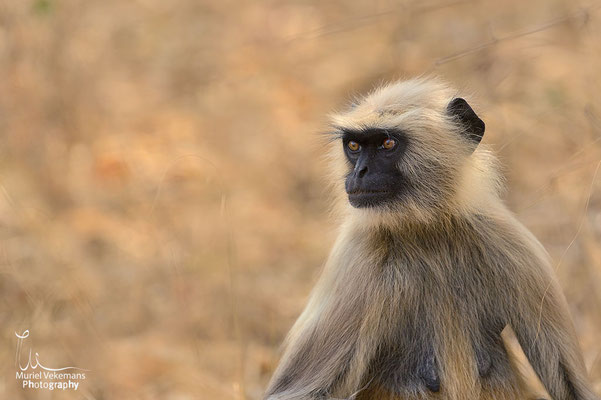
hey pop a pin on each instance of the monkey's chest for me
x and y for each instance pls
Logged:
(426, 355)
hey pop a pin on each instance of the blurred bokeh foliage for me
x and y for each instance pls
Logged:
(163, 211)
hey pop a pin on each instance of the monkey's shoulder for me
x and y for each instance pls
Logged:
(478, 243)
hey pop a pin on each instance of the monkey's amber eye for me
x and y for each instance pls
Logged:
(353, 146)
(389, 144)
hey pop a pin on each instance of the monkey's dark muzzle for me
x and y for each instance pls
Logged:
(369, 198)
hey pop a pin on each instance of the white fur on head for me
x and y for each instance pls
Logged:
(440, 163)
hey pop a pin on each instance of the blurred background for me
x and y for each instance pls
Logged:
(163, 211)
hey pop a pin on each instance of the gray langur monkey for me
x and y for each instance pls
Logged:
(428, 268)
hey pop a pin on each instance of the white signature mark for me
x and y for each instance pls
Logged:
(33, 364)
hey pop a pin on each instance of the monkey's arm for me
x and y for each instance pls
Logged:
(324, 342)
(310, 366)
(328, 350)
(546, 335)
(530, 384)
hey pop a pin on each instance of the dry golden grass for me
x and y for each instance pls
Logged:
(163, 213)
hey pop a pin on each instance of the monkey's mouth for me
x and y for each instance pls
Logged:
(369, 198)
(359, 192)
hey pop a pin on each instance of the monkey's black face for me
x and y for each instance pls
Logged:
(374, 155)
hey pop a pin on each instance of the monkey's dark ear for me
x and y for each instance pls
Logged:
(473, 126)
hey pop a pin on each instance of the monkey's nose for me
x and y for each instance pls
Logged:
(362, 171)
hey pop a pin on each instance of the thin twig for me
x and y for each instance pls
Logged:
(583, 13)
